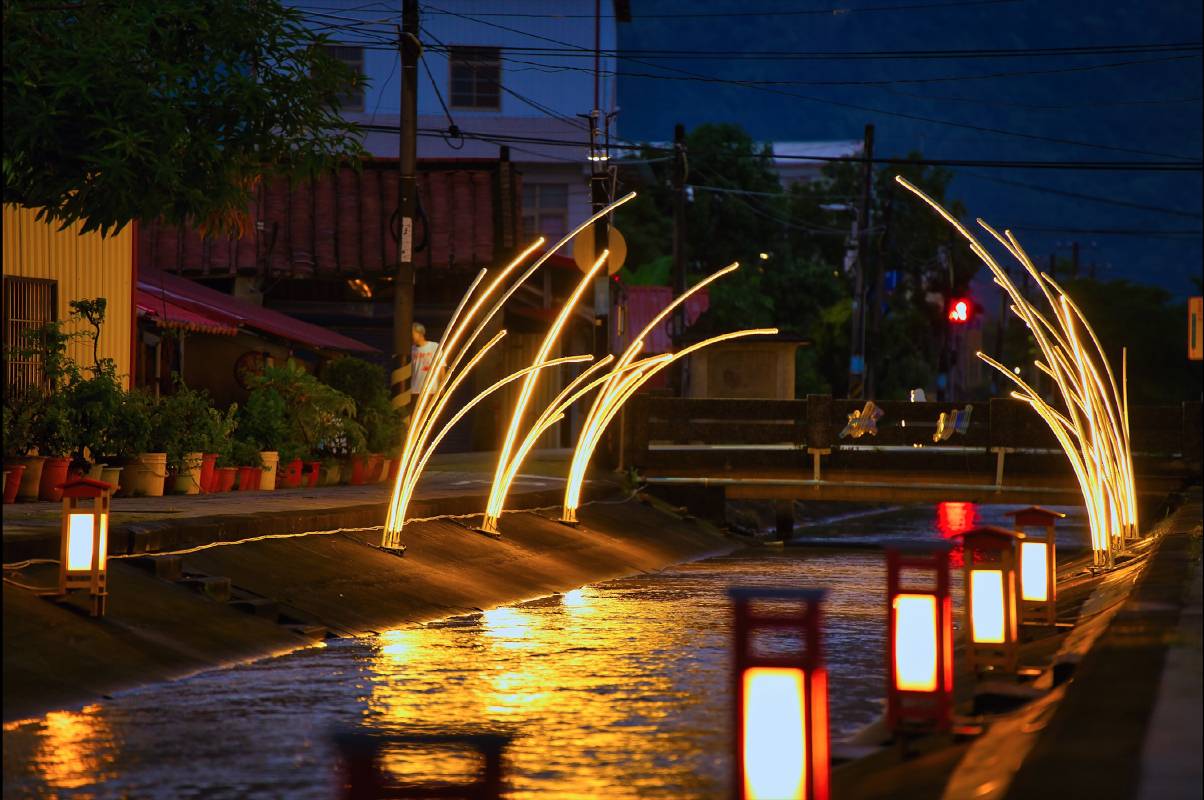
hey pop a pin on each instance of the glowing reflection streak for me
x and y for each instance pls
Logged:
(507, 467)
(1094, 432)
(627, 385)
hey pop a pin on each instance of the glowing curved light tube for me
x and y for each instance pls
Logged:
(1094, 431)
(505, 469)
(608, 405)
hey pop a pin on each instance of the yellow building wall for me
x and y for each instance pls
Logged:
(85, 266)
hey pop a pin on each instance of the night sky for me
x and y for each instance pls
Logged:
(1139, 225)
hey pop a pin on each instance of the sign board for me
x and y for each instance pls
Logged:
(584, 254)
(1195, 328)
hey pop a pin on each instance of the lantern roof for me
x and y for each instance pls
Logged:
(990, 537)
(757, 593)
(84, 488)
(920, 546)
(1035, 515)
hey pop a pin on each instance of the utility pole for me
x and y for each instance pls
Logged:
(857, 343)
(679, 246)
(599, 197)
(886, 246)
(407, 200)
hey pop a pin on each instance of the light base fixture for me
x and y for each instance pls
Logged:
(399, 550)
(492, 534)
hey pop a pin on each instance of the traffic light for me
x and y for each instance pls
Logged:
(960, 310)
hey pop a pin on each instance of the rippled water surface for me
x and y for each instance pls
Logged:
(615, 690)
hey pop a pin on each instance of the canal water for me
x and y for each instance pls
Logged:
(613, 690)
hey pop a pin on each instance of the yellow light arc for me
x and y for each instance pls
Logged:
(502, 475)
(447, 373)
(625, 386)
(1094, 430)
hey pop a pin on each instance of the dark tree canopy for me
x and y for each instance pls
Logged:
(173, 109)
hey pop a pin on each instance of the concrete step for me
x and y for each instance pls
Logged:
(258, 606)
(315, 633)
(215, 588)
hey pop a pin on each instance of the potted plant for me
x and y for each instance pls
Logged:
(367, 384)
(127, 435)
(244, 456)
(264, 421)
(145, 472)
(185, 427)
(25, 468)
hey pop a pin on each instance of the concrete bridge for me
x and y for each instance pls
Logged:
(701, 452)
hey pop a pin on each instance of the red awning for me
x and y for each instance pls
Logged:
(214, 305)
(169, 315)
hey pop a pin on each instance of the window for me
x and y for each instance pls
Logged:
(545, 210)
(353, 99)
(476, 77)
(29, 303)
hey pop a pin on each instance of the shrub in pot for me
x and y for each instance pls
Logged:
(19, 443)
(185, 427)
(263, 420)
(367, 384)
(244, 455)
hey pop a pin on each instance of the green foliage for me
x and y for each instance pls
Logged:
(242, 453)
(320, 419)
(182, 424)
(263, 420)
(129, 429)
(168, 109)
(94, 404)
(802, 286)
(367, 385)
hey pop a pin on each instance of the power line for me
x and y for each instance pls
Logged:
(1111, 201)
(858, 106)
(1143, 232)
(835, 12)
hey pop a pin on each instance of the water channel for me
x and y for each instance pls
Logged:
(615, 690)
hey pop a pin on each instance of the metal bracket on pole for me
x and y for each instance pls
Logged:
(1000, 452)
(815, 453)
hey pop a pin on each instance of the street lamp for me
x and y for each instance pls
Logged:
(780, 742)
(919, 690)
(1038, 565)
(989, 563)
(84, 539)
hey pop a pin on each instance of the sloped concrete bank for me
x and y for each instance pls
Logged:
(172, 616)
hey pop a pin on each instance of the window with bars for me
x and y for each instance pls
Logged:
(545, 210)
(29, 303)
(353, 99)
(476, 77)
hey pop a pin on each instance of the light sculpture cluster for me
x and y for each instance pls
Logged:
(627, 376)
(1092, 427)
(448, 371)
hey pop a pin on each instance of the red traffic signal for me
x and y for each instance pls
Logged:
(960, 310)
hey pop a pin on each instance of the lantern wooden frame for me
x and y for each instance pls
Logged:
(1041, 521)
(920, 709)
(813, 679)
(991, 549)
(72, 574)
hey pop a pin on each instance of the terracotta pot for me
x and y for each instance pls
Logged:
(208, 463)
(244, 479)
(12, 482)
(373, 469)
(359, 471)
(54, 473)
(291, 474)
(394, 468)
(269, 477)
(331, 474)
(315, 467)
(32, 478)
(224, 481)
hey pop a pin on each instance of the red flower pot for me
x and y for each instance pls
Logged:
(54, 473)
(244, 479)
(375, 462)
(12, 482)
(358, 471)
(314, 468)
(394, 468)
(256, 477)
(208, 471)
(289, 476)
(224, 481)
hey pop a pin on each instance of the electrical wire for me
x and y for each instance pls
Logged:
(837, 11)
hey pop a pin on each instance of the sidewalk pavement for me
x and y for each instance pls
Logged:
(455, 483)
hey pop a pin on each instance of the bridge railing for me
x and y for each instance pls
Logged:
(662, 431)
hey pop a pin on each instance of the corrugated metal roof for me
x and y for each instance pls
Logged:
(217, 306)
(171, 315)
(345, 223)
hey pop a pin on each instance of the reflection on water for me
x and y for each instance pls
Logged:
(616, 690)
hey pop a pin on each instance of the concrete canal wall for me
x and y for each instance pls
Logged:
(171, 616)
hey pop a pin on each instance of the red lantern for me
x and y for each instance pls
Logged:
(780, 725)
(991, 587)
(919, 690)
(1038, 565)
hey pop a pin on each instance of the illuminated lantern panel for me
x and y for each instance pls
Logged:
(915, 642)
(780, 713)
(775, 717)
(1034, 566)
(992, 604)
(84, 535)
(919, 684)
(987, 619)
